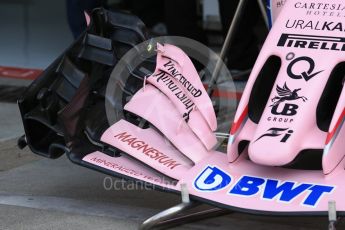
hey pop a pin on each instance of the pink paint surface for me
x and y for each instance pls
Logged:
(305, 71)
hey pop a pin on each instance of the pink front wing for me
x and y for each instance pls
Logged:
(184, 102)
(149, 147)
(308, 45)
(245, 185)
(155, 107)
(172, 60)
(128, 168)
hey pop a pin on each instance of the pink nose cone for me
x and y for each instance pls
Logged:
(271, 156)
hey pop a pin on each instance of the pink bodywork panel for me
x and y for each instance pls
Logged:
(129, 168)
(236, 171)
(308, 58)
(183, 100)
(155, 107)
(176, 63)
(87, 18)
(334, 145)
(288, 124)
(149, 147)
(276, 6)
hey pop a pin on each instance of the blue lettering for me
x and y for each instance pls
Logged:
(286, 190)
(212, 179)
(247, 186)
(316, 192)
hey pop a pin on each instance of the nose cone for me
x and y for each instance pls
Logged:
(270, 157)
(272, 153)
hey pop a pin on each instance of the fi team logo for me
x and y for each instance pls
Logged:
(277, 132)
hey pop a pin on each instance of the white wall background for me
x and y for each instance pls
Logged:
(33, 32)
(211, 8)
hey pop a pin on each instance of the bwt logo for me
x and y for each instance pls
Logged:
(213, 179)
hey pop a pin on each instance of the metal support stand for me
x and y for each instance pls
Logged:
(332, 215)
(174, 215)
(230, 37)
(228, 40)
(263, 10)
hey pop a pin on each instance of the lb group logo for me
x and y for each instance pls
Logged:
(286, 94)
